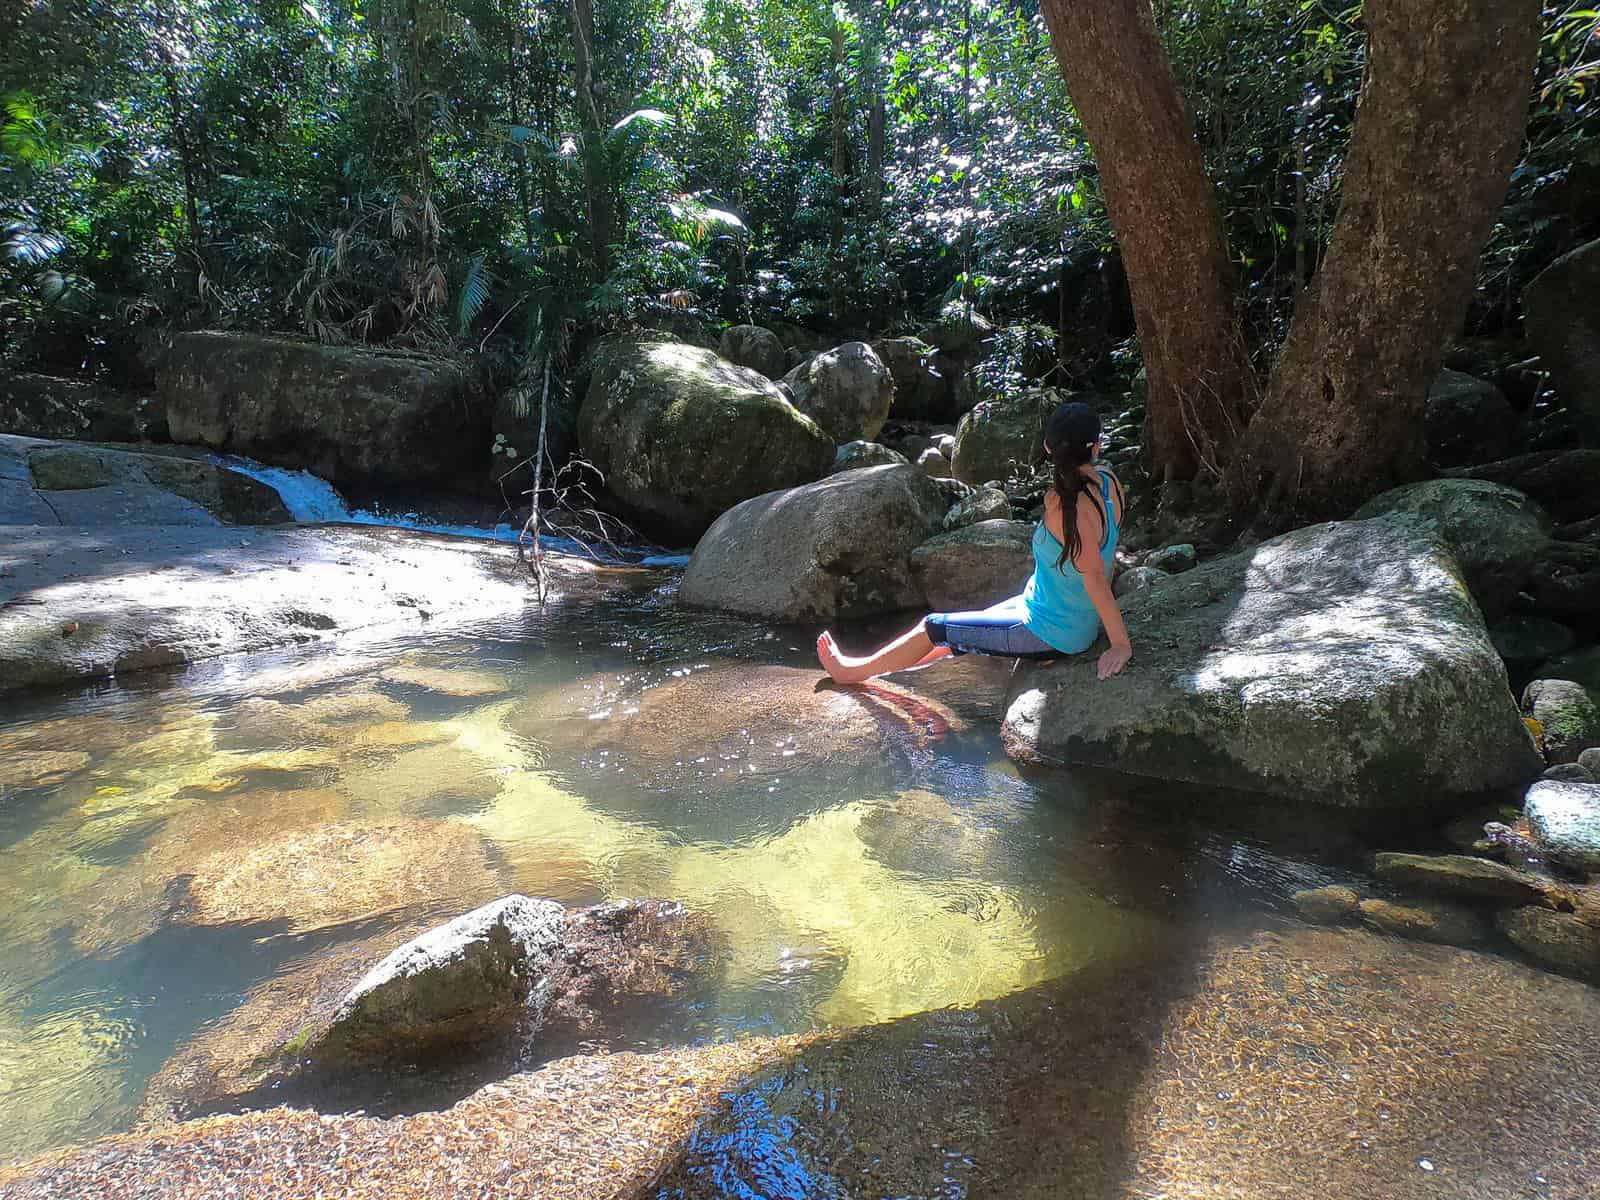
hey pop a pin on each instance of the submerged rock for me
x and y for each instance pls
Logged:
(458, 983)
(975, 566)
(342, 412)
(1496, 533)
(1326, 905)
(682, 435)
(1557, 939)
(835, 549)
(455, 682)
(1427, 921)
(1461, 875)
(39, 768)
(1341, 663)
(847, 391)
(1564, 819)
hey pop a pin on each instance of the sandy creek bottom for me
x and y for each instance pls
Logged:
(170, 847)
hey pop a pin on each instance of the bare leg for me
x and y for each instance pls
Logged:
(911, 649)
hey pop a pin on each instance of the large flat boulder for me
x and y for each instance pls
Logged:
(840, 547)
(1562, 306)
(343, 413)
(1343, 664)
(682, 434)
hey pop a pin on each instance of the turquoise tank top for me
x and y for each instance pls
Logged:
(1056, 606)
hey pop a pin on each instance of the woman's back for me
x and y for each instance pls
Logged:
(1058, 607)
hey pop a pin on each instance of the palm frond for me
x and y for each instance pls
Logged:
(475, 290)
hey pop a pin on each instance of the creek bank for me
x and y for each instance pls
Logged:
(346, 414)
(45, 482)
(1341, 663)
(78, 604)
(1264, 1059)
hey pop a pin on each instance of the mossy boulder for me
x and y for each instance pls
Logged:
(852, 456)
(837, 548)
(50, 406)
(1342, 664)
(344, 413)
(924, 378)
(1569, 714)
(1002, 435)
(960, 331)
(974, 566)
(1496, 532)
(95, 485)
(682, 435)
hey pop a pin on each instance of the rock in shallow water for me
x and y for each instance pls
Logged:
(1557, 939)
(1460, 875)
(1427, 921)
(1564, 818)
(837, 548)
(1326, 905)
(457, 983)
(1343, 663)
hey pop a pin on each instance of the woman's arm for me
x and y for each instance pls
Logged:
(1091, 527)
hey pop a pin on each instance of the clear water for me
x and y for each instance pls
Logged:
(200, 835)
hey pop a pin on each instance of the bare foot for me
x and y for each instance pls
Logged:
(839, 669)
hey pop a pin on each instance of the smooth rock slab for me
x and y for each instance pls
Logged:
(1460, 875)
(1344, 664)
(456, 983)
(1564, 818)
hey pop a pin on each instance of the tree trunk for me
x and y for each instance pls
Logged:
(841, 170)
(596, 176)
(1441, 116)
(1168, 227)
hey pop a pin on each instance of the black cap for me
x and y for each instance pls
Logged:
(1073, 424)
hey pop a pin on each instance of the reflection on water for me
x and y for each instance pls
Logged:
(168, 847)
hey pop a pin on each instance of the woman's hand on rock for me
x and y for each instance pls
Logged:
(1113, 660)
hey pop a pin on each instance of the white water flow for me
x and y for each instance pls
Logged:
(312, 499)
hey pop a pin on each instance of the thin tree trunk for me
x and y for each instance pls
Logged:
(1442, 111)
(1168, 227)
(841, 168)
(180, 135)
(596, 176)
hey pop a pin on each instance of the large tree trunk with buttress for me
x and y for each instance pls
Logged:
(1442, 112)
(1165, 214)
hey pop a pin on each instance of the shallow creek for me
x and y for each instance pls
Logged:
(170, 846)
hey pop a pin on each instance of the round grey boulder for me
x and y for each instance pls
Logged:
(1496, 533)
(974, 566)
(837, 548)
(935, 464)
(1467, 420)
(924, 384)
(847, 391)
(1003, 436)
(1136, 579)
(985, 504)
(754, 347)
(854, 455)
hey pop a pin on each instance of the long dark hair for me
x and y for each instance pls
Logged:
(1070, 483)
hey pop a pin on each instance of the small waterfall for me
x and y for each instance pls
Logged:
(312, 499)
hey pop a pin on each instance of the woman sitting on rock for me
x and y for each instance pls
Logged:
(1067, 600)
